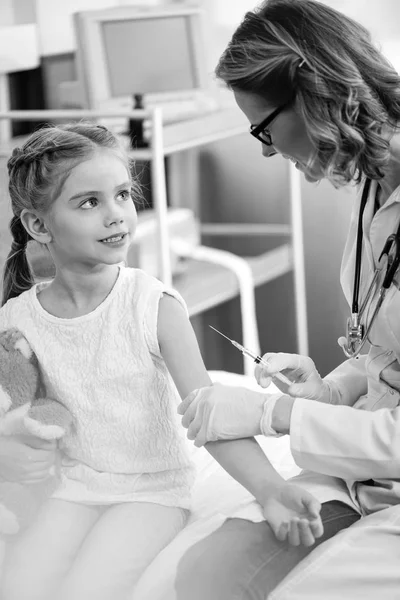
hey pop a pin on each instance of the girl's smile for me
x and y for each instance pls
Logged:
(116, 240)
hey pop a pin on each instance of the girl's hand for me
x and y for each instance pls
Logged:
(221, 412)
(293, 515)
(26, 459)
(299, 369)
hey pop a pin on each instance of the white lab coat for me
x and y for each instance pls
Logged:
(356, 446)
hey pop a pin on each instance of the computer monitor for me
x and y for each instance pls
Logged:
(155, 51)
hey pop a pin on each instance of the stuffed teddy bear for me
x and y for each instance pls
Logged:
(22, 411)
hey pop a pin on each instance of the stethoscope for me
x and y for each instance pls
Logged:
(357, 333)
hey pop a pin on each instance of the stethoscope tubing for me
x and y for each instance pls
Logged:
(391, 269)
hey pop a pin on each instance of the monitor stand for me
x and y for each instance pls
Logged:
(135, 126)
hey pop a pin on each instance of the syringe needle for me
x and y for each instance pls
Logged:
(255, 357)
(223, 335)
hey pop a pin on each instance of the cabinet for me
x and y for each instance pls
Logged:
(211, 277)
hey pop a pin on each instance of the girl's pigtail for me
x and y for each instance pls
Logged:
(17, 276)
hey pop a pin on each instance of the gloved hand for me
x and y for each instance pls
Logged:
(221, 412)
(300, 369)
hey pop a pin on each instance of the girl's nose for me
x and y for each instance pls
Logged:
(114, 221)
(114, 215)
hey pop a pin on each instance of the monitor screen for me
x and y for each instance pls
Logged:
(159, 52)
(149, 55)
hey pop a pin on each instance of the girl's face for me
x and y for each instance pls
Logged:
(94, 218)
(287, 130)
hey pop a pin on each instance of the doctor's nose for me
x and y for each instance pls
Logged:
(268, 151)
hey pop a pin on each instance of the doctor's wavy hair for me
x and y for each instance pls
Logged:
(344, 88)
(37, 172)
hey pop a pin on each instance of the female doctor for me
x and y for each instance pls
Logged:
(317, 91)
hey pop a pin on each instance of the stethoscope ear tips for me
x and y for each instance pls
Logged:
(342, 341)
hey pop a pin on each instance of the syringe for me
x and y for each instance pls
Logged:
(257, 359)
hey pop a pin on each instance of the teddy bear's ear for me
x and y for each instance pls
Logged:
(23, 346)
(12, 339)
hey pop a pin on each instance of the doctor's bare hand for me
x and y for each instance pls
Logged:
(26, 459)
(221, 412)
(300, 369)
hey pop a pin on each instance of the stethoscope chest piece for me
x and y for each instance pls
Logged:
(354, 334)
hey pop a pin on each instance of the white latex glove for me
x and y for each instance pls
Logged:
(221, 412)
(300, 369)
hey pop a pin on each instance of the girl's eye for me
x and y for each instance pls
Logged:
(125, 195)
(89, 203)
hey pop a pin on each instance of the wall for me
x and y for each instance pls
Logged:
(237, 183)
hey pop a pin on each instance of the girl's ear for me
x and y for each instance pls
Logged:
(36, 226)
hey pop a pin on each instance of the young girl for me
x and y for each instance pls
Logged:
(108, 340)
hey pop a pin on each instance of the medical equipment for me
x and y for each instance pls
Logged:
(357, 333)
(257, 359)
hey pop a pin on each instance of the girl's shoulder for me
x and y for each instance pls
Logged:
(10, 313)
(139, 281)
(145, 289)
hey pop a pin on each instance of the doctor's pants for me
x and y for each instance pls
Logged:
(355, 559)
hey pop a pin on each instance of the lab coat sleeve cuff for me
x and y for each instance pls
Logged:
(266, 419)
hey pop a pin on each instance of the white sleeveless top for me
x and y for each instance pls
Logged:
(127, 443)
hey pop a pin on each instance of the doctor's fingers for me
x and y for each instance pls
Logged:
(295, 366)
(186, 402)
(279, 361)
(197, 432)
(190, 414)
(261, 376)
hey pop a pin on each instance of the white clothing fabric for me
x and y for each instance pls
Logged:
(359, 563)
(126, 443)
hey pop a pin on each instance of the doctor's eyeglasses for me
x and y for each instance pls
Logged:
(261, 132)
